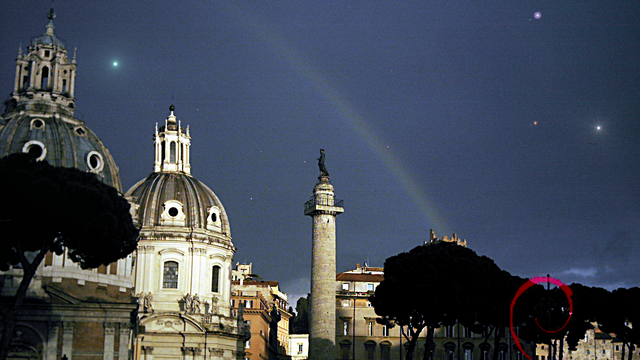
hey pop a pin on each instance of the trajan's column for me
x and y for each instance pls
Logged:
(323, 208)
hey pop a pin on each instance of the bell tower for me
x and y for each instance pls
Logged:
(323, 207)
(172, 144)
(45, 74)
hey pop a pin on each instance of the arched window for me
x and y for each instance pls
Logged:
(449, 349)
(172, 152)
(468, 351)
(45, 78)
(215, 279)
(170, 275)
(369, 349)
(162, 150)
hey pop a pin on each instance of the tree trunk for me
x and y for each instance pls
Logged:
(622, 357)
(428, 343)
(631, 348)
(412, 341)
(497, 335)
(9, 316)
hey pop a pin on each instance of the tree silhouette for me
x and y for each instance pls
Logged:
(47, 208)
(440, 284)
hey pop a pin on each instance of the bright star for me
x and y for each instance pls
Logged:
(115, 63)
(598, 127)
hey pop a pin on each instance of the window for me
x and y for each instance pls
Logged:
(345, 346)
(369, 349)
(467, 332)
(248, 304)
(370, 287)
(587, 353)
(370, 328)
(385, 351)
(385, 330)
(448, 331)
(170, 275)
(215, 279)
(172, 152)
(45, 78)
(233, 303)
(247, 344)
(300, 347)
(345, 286)
(346, 303)
(449, 350)
(617, 347)
(468, 354)
(345, 328)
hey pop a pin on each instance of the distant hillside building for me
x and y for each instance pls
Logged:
(265, 309)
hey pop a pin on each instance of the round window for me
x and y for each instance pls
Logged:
(36, 149)
(80, 131)
(95, 161)
(173, 212)
(37, 124)
(214, 217)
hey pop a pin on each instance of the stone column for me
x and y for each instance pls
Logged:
(67, 339)
(322, 326)
(52, 342)
(109, 340)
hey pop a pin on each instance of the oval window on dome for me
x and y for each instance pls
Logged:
(36, 149)
(214, 217)
(95, 162)
(37, 124)
(173, 211)
(80, 131)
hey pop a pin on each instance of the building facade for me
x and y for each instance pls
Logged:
(266, 310)
(80, 314)
(183, 260)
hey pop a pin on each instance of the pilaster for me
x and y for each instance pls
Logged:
(67, 339)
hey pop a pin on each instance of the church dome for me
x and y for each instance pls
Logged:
(178, 199)
(171, 198)
(39, 115)
(59, 139)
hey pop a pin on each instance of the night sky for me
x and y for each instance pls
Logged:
(474, 117)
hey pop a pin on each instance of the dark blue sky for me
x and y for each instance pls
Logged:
(465, 116)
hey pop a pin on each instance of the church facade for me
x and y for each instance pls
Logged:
(170, 298)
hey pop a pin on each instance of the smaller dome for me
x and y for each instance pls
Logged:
(176, 199)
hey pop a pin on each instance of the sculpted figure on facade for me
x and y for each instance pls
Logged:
(187, 301)
(195, 304)
(147, 303)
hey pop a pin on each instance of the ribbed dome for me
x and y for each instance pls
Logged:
(176, 199)
(59, 139)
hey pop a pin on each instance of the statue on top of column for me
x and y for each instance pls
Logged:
(323, 169)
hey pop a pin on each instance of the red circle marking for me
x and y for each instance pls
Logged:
(529, 283)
